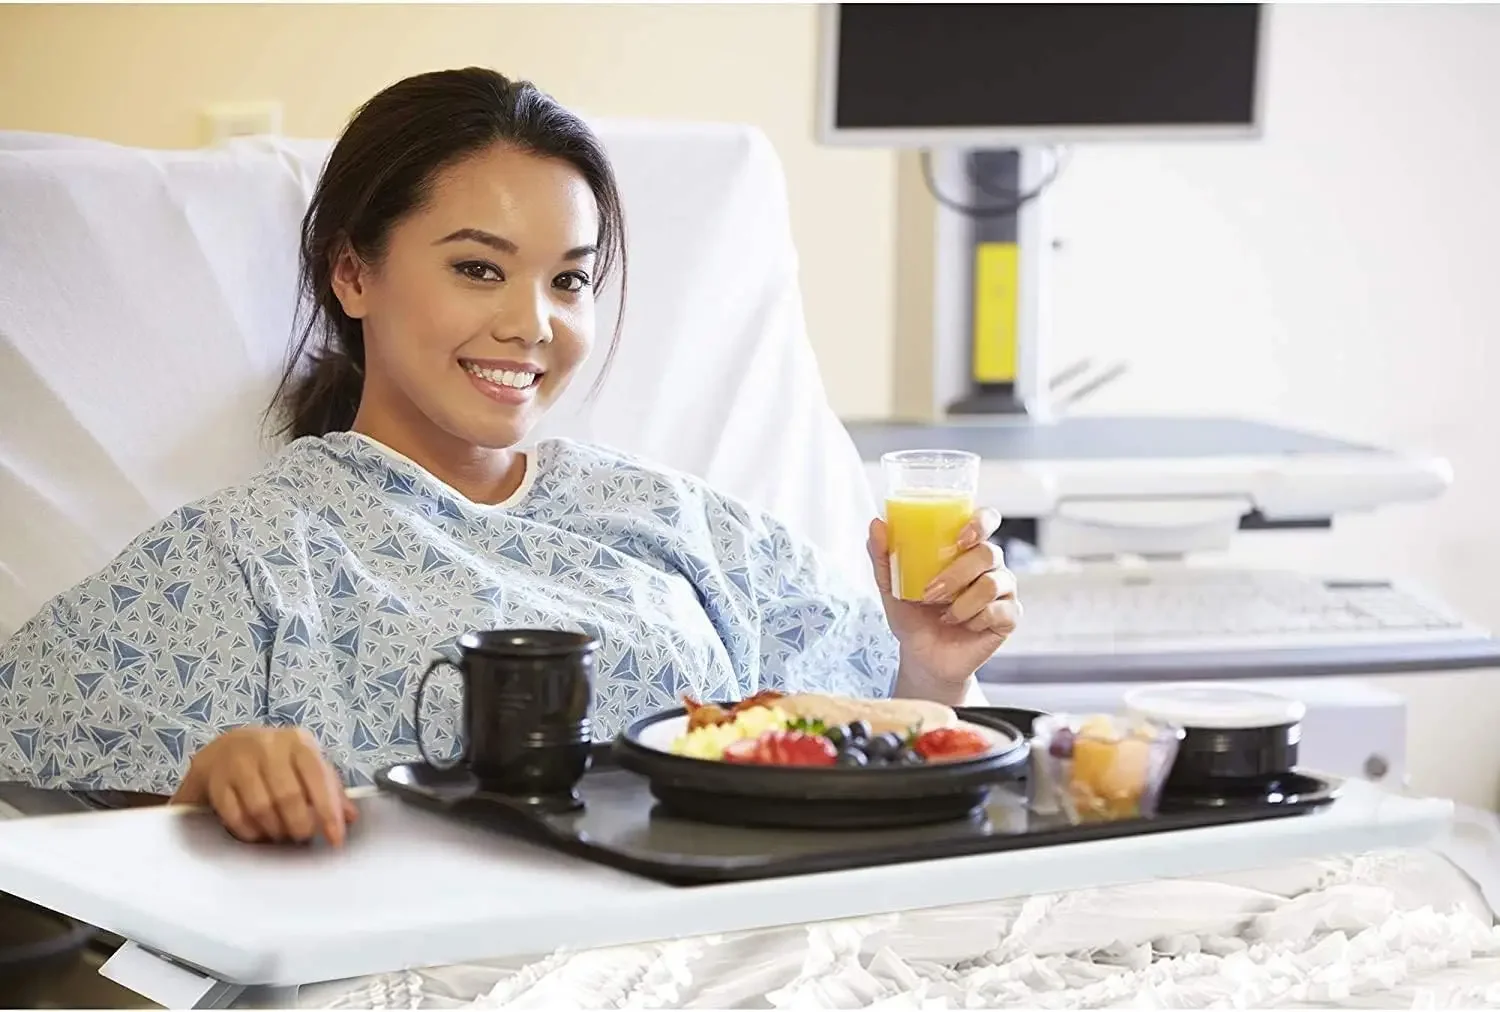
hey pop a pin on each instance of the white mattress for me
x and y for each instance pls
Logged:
(1404, 929)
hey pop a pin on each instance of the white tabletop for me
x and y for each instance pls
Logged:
(412, 889)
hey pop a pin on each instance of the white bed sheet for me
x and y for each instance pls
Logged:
(1407, 929)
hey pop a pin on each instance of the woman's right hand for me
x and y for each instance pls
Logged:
(269, 784)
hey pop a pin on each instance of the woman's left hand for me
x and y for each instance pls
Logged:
(968, 612)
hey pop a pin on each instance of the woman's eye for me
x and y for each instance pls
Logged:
(478, 270)
(572, 281)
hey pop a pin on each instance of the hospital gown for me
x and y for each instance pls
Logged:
(315, 595)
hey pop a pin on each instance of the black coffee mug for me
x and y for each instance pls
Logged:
(526, 700)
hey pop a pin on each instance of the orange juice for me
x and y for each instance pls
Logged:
(923, 530)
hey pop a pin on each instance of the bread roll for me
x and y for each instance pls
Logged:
(898, 715)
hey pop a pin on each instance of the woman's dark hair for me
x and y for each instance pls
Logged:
(380, 171)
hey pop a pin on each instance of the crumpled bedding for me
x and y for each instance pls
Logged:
(1383, 930)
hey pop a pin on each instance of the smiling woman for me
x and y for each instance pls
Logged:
(453, 246)
(257, 650)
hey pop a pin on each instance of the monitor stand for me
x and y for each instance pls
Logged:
(989, 281)
(990, 399)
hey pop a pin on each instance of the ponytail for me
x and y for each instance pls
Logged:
(324, 398)
(324, 377)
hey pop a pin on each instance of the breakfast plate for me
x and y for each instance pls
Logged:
(820, 762)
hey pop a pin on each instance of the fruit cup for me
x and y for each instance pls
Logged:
(1099, 768)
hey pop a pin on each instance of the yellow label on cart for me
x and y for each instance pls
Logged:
(997, 284)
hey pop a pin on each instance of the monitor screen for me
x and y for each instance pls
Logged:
(926, 74)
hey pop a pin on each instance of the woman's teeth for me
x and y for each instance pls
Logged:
(504, 377)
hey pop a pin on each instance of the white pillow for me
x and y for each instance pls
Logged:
(146, 301)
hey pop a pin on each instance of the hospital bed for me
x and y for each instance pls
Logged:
(145, 302)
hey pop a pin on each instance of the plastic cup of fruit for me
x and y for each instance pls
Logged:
(1099, 767)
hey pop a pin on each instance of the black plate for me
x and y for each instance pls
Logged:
(823, 797)
(621, 826)
(1017, 717)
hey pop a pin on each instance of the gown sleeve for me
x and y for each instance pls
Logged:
(117, 682)
(804, 625)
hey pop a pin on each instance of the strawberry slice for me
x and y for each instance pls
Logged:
(951, 743)
(783, 748)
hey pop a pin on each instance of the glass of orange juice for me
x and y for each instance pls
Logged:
(929, 497)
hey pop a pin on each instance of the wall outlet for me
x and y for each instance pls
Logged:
(240, 119)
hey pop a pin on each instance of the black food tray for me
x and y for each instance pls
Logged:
(621, 825)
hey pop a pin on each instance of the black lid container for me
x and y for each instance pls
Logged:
(1235, 738)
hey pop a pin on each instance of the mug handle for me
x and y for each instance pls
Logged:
(417, 721)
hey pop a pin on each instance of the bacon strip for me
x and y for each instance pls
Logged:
(711, 714)
(700, 715)
(764, 698)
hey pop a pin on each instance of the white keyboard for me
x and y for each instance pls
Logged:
(1162, 609)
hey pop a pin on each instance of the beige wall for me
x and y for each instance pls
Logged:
(142, 74)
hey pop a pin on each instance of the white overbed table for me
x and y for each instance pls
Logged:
(207, 917)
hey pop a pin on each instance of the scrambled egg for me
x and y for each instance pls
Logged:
(710, 742)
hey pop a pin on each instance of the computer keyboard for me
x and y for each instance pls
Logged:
(1164, 609)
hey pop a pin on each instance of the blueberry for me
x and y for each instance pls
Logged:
(852, 757)
(1061, 745)
(859, 731)
(885, 745)
(907, 757)
(838, 735)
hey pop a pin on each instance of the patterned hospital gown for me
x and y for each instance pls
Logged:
(315, 595)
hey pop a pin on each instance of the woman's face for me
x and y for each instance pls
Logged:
(482, 308)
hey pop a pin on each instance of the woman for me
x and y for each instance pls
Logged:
(265, 640)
